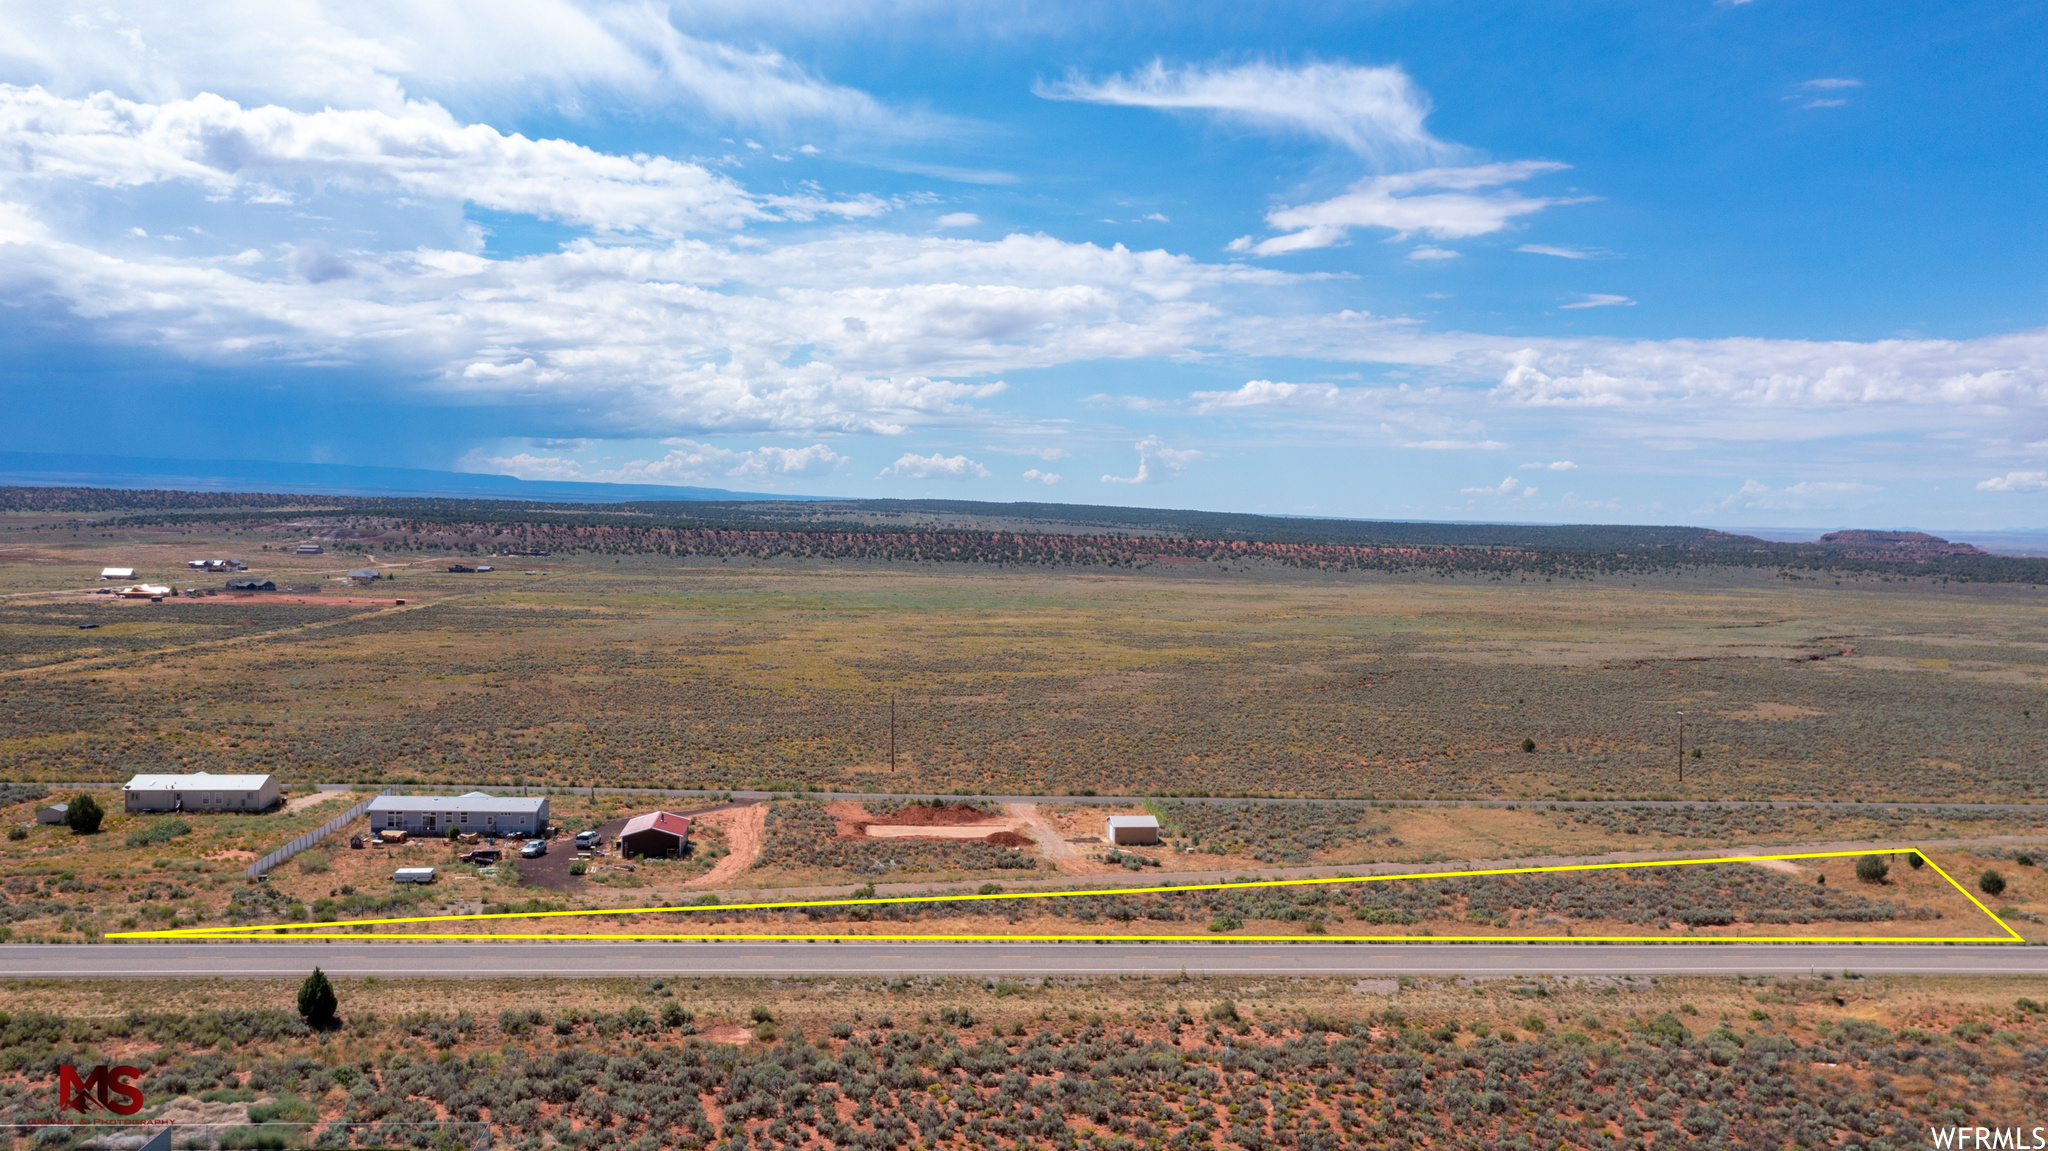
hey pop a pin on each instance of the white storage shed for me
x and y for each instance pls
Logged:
(1132, 829)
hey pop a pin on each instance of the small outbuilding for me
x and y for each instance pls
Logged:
(413, 875)
(1132, 829)
(202, 792)
(476, 811)
(53, 813)
(310, 549)
(117, 573)
(365, 575)
(660, 834)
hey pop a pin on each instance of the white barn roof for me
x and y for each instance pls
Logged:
(471, 801)
(202, 781)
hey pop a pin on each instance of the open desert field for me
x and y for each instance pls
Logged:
(1198, 678)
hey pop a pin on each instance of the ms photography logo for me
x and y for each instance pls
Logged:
(108, 1088)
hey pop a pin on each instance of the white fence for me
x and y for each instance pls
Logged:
(312, 837)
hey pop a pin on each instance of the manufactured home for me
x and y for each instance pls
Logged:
(201, 792)
(476, 812)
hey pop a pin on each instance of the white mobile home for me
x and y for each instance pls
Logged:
(201, 792)
(476, 813)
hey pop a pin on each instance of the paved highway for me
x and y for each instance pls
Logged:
(575, 960)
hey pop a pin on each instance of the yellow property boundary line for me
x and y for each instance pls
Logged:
(308, 931)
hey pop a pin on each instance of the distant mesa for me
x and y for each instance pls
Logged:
(1871, 545)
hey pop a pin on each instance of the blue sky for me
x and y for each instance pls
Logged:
(1724, 263)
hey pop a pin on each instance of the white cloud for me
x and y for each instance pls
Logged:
(1557, 250)
(1034, 476)
(935, 466)
(260, 153)
(1552, 466)
(1375, 112)
(1268, 394)
(1432, 252)
(1834, 103)
(686, 463)
(1157, 463)
(1044, 453)
(2016, 482)
(1832, 83)
(1803, 496)
(1599, 300)
(1506, 487)
(1454, 445)
(552, 55)
(957, 220)
(1441, 203)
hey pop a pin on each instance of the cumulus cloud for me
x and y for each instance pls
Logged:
(1375, 112)
(2016, 482)
(1268, 394)
(935, 466)
(1034, 476)
(1157, 463)
(261, 153)
(1441, 203)
(957, 220)
(1507, 487)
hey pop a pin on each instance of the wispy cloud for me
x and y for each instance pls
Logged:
(1599, 300)
(1432, 252)
(1454, 445)
(1375, 112)
(1828, 84)
(1552, 466)
(1558, 251)
(1441, 203)
(1803, 496)
(687, 462)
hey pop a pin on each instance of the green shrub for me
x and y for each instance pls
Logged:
(317, 1003)
(159, 831)
(83, 815)
(1991, 883)
(1872, 869)
(1528, 745)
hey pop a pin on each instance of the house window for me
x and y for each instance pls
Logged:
(465, 817)
(490, 821)
(391, 819)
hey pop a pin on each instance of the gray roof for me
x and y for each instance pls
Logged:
(200, 781)
(473, 801)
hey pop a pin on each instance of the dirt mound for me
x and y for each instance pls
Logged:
(925, 815)
(1009, 839)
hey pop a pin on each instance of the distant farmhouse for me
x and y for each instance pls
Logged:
(476, 812)
(251, 583)
(200, 792)
(365, 575)
(309, 549)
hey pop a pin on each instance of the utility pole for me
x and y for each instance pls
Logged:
(1681, 749)
(892, 733)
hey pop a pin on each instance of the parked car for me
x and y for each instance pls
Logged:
(533, 849)
(589, 839)
(482, 856)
